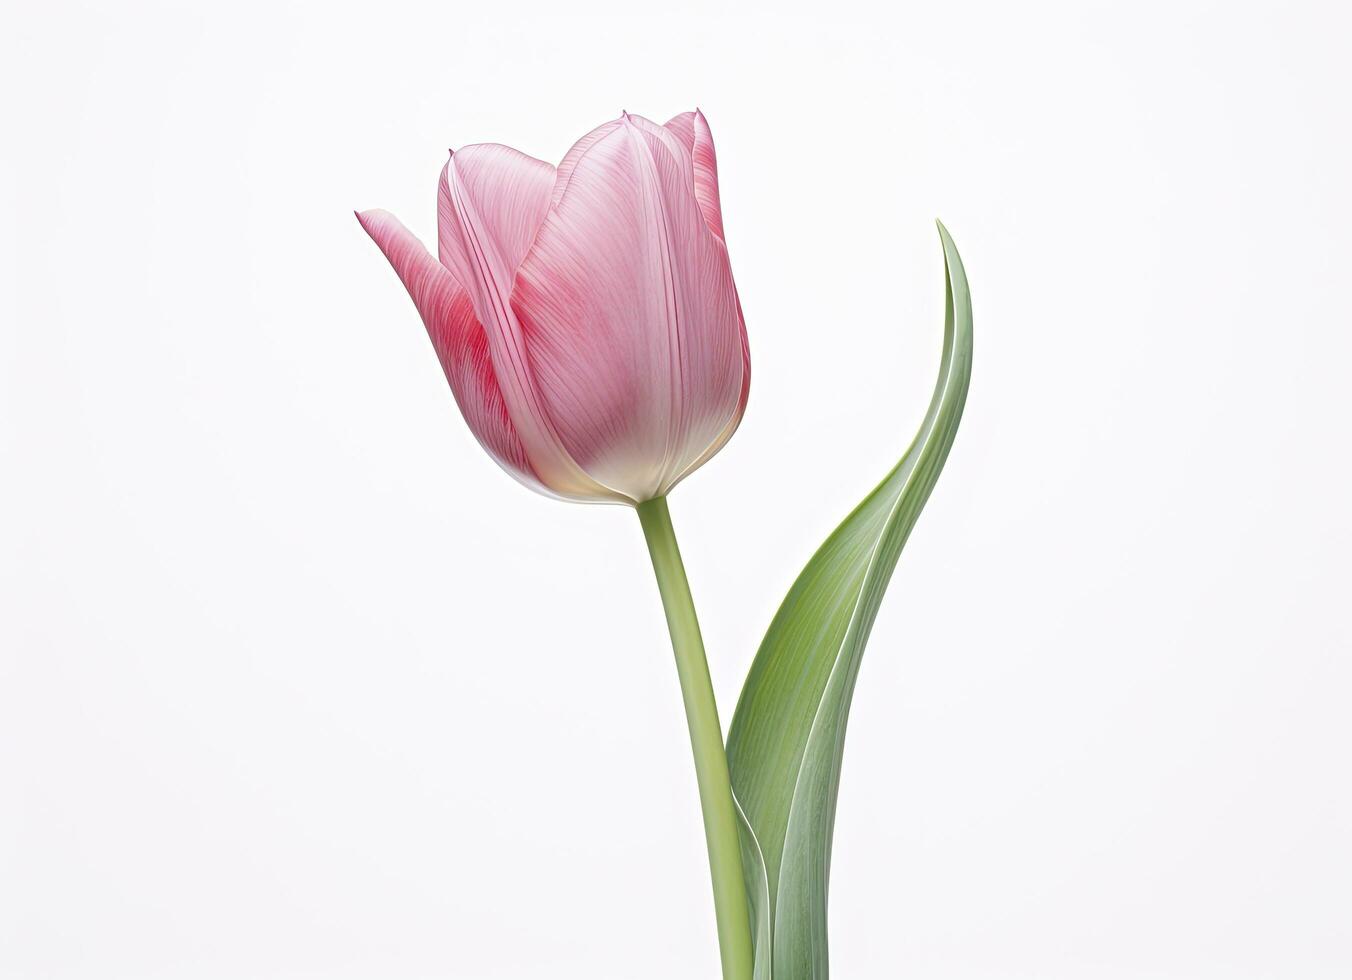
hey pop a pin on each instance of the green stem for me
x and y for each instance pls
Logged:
(706, 739)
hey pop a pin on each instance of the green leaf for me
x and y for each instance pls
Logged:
(788, 733)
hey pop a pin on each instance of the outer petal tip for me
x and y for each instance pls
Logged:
(376, 220)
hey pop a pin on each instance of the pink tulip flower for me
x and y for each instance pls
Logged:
(585, 315)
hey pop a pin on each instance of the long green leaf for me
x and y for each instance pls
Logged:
(788, 733)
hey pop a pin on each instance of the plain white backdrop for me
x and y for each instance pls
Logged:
(296, 683)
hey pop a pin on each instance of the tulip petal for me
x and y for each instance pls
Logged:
(736, 418)
(565, 170)
(458, 339)
(692, 129)
(630, 316)
(490, 203)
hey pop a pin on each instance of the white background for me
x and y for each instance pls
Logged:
(295, 683)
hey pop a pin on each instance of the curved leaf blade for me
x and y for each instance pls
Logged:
(787, 736)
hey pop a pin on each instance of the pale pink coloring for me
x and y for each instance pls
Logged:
(585, 316)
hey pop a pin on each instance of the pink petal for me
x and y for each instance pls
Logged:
(575, 153)
(492, 200)
(692, 129)
(490, 204)
(458, 339)
(736, 419)
(630, 315)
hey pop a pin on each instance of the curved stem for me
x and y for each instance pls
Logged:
(706, 739)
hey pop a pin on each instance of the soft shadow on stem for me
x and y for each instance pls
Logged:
(706, 740)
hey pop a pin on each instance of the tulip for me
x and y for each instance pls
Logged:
(585, 315)
(587, 321)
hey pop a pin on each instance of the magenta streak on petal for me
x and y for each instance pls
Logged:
(458, 340)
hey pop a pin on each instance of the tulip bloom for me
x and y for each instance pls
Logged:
(585, 315)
